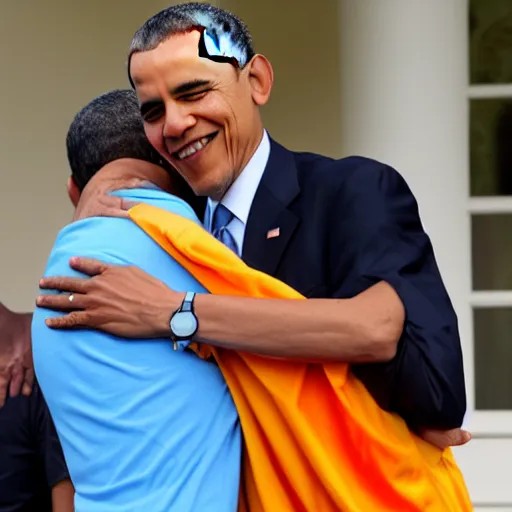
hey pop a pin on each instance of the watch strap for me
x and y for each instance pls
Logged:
(188, 302)
(187, 306)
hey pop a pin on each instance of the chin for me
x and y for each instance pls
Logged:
(211, 188)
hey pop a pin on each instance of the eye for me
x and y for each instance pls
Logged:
(154, 114)
(194, 96)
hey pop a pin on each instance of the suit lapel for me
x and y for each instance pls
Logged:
(271, 224)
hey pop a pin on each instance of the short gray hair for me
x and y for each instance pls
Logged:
(183, 18)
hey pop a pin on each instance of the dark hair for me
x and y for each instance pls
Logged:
(109, 128)
(182, 18)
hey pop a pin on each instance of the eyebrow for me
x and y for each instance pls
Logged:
(185, 87)
(189, 86)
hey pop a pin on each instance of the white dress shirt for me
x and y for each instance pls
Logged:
(239, 197)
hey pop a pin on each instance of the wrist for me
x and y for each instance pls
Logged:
(166, 310)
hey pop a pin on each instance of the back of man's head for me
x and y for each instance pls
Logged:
(230, 37)
(109, 128)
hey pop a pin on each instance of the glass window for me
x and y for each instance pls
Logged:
(491, 240)
(490, 43)
(493, 358)
(491, 147)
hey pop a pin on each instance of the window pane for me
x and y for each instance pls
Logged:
(491, 147)
(490, 41)
(491, 241)
(493, 358)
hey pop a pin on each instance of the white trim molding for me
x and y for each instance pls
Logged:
(489, 92)
(486, 205)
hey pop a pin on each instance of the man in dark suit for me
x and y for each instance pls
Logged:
(345, 233)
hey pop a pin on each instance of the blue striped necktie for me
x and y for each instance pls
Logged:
(221, 219)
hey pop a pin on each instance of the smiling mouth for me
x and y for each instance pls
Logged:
(194, 147)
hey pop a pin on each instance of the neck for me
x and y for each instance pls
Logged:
(126, 173)
(252, 147)
(126, 170)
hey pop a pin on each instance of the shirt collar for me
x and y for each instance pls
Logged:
(239, 197)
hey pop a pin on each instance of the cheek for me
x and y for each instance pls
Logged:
(155, 137)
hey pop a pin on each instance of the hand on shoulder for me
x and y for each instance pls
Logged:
(16, 367)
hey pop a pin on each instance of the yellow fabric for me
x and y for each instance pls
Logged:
(315, 440)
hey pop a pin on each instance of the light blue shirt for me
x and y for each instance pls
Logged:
(239, 197)
(143, 428)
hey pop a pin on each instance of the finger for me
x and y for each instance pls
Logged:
(149, 185)
(4, 384)
(128, 205)
(76, 319)
(28, 382)
(61, 302)
(436, 438)
(460, 437)
(16, 383)
(104, 206)
(117, 211)
(137, 183)
(88, 266)
(446, 438)
(64, 284)
(120, 213)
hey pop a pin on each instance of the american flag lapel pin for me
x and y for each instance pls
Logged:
(273, 233)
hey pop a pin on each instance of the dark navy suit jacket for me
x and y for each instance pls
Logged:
(31, 458)
(344, 226)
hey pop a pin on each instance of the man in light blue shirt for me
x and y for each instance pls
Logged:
(143, 428)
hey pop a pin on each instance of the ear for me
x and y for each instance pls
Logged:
(73, 191)
(261, 79)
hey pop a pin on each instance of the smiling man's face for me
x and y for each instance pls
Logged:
(202, 116)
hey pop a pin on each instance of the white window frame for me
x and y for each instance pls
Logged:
(486, 424)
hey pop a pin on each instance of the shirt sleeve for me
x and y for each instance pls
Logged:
(424, 383)
(48, 447)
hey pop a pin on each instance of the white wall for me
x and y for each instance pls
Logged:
(55, 56)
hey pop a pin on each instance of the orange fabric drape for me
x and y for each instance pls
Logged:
(315, 440)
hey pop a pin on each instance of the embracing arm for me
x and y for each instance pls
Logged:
(424, 382)
(365, 328)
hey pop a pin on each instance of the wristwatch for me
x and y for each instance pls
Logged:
(184, 324)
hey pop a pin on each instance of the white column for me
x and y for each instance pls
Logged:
(403, 88)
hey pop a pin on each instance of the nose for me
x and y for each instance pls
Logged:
(178, 119)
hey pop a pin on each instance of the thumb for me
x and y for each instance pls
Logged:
(460, 437)
(137, 183)
(446, 438)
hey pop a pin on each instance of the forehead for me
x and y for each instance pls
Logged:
(174, 61)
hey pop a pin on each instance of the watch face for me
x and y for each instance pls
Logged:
(184, 324)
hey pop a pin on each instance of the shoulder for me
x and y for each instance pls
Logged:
(346, 173)
(112, 240)
(363, 191)
(160, 199)
(93, 232)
